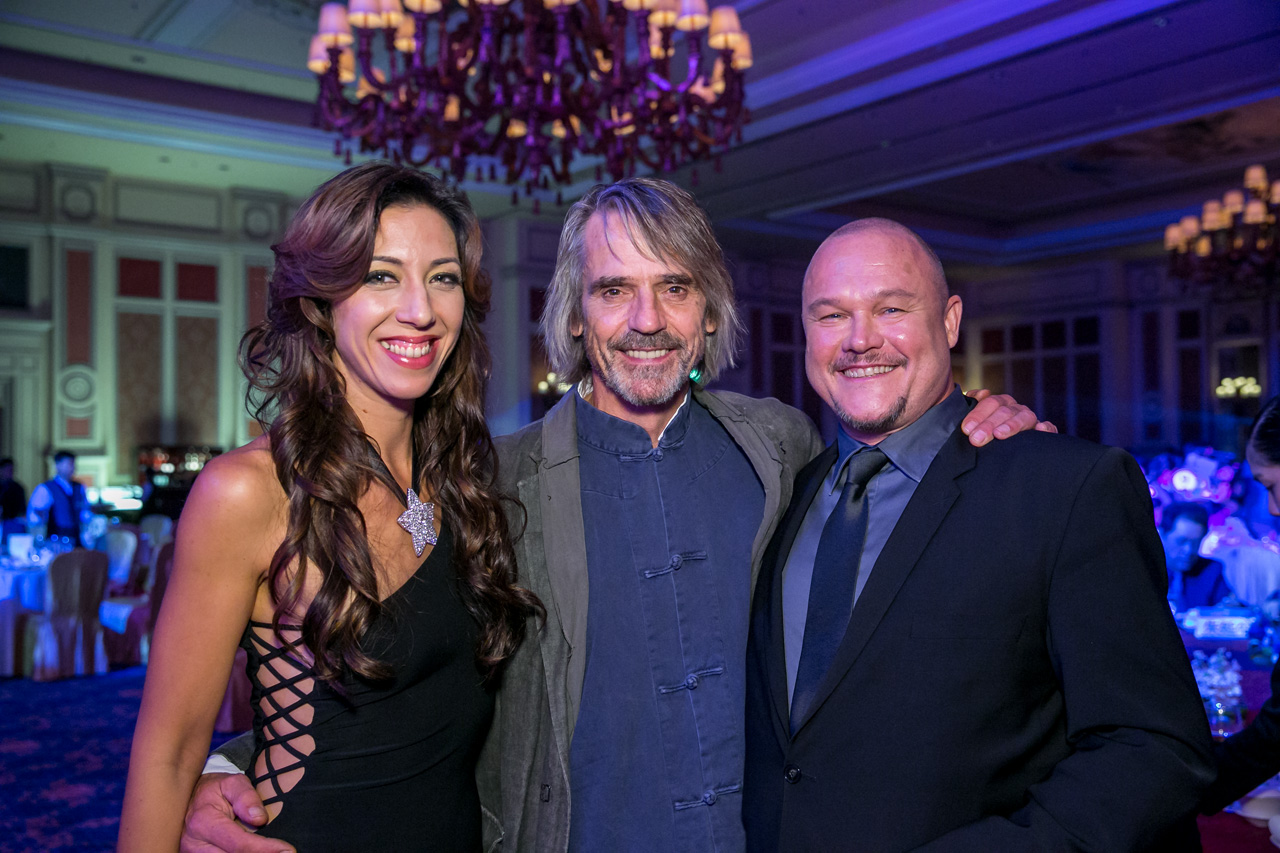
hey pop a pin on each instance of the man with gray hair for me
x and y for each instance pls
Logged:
(648, 502)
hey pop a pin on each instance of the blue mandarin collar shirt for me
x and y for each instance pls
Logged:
(657, 755)
(911, 451)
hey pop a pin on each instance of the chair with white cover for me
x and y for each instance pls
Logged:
(122, 546)
(65, 639)
(153, 531)
(158, 528)
(128, 620)
(160, 582)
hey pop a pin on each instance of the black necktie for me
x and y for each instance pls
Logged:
(835, 578)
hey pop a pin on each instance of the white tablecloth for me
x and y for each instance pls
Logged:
(23, 582)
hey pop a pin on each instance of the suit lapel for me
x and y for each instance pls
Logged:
(808, 481)
(564, 540)
(915, 528)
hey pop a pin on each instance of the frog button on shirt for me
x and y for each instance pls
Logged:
(657, 753)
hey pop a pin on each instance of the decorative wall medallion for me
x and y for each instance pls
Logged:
(77, 386)
(77, 202)
(257, 222)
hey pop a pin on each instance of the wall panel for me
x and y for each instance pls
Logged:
(196, 380)
(138, 377)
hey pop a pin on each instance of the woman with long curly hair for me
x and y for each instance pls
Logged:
(356, 550)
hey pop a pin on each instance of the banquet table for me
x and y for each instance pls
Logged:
(1227, 832)
(23, 581)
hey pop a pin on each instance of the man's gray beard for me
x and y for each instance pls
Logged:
(879, 426)
(664, 393)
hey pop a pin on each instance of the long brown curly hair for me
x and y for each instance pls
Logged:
(323, 458)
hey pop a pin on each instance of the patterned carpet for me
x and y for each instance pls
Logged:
(64, 755)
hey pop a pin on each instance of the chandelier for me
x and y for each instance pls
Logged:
(530, 86)
(1232, 245)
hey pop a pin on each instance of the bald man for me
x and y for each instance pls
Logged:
(957, 648)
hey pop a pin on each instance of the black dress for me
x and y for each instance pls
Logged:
(390, 766)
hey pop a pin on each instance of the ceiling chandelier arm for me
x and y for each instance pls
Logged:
(486, 48)
(364, 122)
(372, 77)
(331, 103)
(644, 59)
(337, 113)
(618, 55)
(593, 38)
(445, 59)
(393, 58)
(563, 52)
(658, 79)
(693, 68)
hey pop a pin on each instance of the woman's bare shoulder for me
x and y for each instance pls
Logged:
(240, 485)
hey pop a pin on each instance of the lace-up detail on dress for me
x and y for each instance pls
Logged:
(283, 683)
(376, 765)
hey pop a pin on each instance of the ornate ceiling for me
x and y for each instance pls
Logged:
(1005, 130)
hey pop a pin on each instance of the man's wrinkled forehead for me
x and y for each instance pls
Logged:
(611, 225)
(614, 225)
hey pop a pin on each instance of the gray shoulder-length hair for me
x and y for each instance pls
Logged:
(665, 224)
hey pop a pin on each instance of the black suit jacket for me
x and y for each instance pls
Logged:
(1011, 677)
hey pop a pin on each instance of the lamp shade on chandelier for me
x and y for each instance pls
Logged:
(526, 86)
(1232, 245)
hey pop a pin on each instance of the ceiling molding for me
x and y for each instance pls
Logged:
(934, 30)
(977, 164)
(183, 24)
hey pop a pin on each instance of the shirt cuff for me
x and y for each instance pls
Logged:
(217, 764)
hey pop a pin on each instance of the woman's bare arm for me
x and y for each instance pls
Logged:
(230, 527)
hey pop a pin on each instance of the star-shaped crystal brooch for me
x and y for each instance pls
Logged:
(420, 520)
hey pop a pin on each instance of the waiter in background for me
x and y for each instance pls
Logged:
(60, 504)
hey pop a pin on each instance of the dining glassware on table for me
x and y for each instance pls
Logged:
(1264, 641)
(1218, 679)
(1225, 717)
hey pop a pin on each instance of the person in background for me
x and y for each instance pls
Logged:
(1251, 757)
(1194, 581)
(13, 500)
(1250, 505)
(60, 504)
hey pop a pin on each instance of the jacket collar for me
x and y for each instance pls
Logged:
(560, 433)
